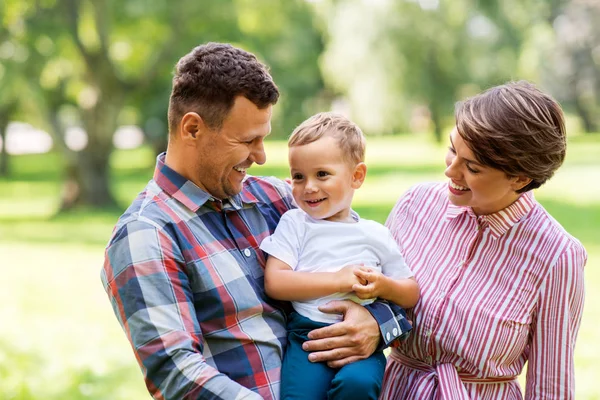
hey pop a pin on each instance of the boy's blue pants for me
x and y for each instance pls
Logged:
(302, 379)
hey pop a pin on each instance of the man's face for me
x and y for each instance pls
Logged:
(225, 154)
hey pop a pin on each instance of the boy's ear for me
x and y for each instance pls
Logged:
(360, 173)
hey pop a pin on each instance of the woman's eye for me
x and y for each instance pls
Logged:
(451, 150)
(473, 171)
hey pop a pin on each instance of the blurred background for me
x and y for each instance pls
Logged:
(84, 87)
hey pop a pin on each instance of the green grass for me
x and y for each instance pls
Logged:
(59, 337)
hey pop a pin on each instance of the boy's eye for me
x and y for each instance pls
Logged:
(322, 174)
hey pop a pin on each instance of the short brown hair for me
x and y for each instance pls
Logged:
(515, 128)
(209, 78)
(348, 134)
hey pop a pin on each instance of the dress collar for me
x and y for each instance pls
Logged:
(501, 221)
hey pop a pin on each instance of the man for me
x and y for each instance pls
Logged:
(183, 269)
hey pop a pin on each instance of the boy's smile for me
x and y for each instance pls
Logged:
(323, 180)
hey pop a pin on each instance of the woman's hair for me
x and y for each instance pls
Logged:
(209, 78)
(348, 135)
(514, 128)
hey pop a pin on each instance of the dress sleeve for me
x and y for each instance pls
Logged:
(145, 279)
(397, 215)
(392, 263)
(550, 371)
(284, 243)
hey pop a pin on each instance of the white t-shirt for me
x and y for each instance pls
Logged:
(310, 245)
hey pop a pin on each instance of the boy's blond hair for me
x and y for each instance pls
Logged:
(348, 135)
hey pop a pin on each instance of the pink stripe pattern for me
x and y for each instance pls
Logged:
(497, 291)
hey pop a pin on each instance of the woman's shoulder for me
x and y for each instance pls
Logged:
(542, 221)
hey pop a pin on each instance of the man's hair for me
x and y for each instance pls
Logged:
(515, 128)
(209, 78)
(348, 135)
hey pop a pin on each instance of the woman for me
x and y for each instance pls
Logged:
(501, 280)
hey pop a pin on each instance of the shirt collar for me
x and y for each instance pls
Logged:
(189, 194)
(499, 222)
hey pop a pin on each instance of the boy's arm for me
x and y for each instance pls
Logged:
(283, 283)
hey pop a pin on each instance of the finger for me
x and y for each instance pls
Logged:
(344, 361)
(363, 289)
(335, 307)
(327, 344)
(361, 273)
(332, 355)
(330, 331)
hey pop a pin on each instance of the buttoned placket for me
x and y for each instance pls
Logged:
(443, 296)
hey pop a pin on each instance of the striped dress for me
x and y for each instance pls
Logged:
(497, 291)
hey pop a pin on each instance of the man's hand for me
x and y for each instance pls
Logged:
(353, 339)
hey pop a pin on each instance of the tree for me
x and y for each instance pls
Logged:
(99, 60)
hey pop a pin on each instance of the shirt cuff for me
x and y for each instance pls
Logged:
(392, 321)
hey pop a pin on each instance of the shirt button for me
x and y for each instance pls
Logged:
(388, 336)
(395, 331)
(247, 252)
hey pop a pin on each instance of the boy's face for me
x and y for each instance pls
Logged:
(323, 181)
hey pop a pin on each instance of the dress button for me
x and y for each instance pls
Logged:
(247, 252)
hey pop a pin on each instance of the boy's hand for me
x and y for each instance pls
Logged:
(347, 279)
(374, 286)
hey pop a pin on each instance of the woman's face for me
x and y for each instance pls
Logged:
(484, 189)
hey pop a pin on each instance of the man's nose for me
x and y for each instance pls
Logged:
(258, 154)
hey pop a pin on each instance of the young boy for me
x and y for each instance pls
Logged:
(324, 251)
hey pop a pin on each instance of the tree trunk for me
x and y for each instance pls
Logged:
(436, 120)
(588, 120)
(6, 113)
(87, 180)
(3, 150)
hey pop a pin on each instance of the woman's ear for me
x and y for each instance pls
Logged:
(359, 175)
(519, 182)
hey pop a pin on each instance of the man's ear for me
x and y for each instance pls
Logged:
(359, 175)
(519, 182)
(191, 126)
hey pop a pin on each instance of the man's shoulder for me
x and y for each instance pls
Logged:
(148, 208)
(268, 190)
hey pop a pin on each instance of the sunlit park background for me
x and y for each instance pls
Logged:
(84, 90)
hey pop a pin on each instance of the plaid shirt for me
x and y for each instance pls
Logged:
(184, 274)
